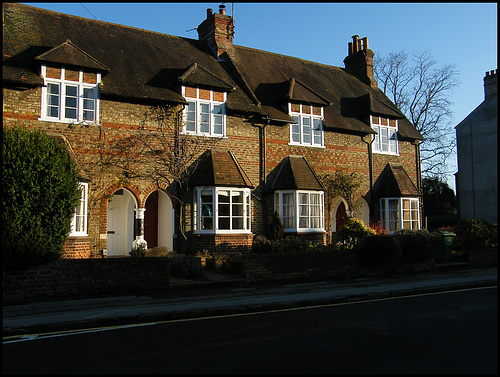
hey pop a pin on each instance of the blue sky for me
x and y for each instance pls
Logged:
(464, 34)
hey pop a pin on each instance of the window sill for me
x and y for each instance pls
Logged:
(308, 145)
(222, 232)
(70, 121)
(205, 135)
(387, 153)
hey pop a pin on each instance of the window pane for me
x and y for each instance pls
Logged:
(306, 130)
(71, 102)
(317, 131)
(385, 139)
(204, 118)
(224, 223)
(191, 117)
(237, 223)
(296, 130)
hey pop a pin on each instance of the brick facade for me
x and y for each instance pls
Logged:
(121, 118)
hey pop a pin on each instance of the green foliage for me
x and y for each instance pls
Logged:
(291, 244)
(39, 196)
(438, 197)
(474, 234)
(288, 244)
(276, 229)
(378, 250)
(342, 184)
(261, 244)
(354, 230)
(139, 251)
(416, 245)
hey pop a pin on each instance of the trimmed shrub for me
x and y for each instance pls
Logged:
(39, 195)
(378, 250)
(416, 245)
(291, 244)
(276, 229)
(261, 244)
(474, 234)
(353, 231)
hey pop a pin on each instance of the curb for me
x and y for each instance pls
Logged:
(243, 309)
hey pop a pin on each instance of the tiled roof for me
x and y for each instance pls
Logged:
(394, 182)
(220, 169)
(68, 53)
(150, 66)
(296, 174)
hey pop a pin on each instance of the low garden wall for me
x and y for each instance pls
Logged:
(84, 277)
(483, 257)
(317, 265)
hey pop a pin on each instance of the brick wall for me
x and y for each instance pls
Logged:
(316, 265)
(119, 120)
(83, 277)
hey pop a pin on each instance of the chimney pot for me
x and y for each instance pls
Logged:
(209, 12)
(222, 9)
(490, 83)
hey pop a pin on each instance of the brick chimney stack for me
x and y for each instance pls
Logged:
(359, 61)
(218, 31)
(490, 83)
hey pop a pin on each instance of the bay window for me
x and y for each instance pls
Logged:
(300, 210)
(221, 210)
(400, 213)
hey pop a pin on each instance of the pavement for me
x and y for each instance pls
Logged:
(221, 294)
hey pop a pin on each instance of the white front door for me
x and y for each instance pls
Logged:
(120, 229)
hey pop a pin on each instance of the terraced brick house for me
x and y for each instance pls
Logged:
(194, 144)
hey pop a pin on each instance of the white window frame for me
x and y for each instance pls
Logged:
(79, 221)
(294, 214)
(385, 132)
(307, 127)
(211, 211)
(213, 118)
(63, 84)
(401, 216)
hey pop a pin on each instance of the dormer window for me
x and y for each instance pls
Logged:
(70, 95)
(308, 127)
(205, 112)
(386, 139)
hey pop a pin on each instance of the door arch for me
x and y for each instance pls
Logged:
(159, 220)
(120, 223)
(339, 213)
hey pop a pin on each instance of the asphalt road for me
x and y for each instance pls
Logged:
(448, 332)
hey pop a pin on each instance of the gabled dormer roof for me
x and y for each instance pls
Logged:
(295, 173)
(68, 53)
(394, 182)
(196, 75)
(220, 169)
(299, 92)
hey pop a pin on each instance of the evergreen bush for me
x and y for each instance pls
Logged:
(353, 231)
(39, 194)
(416, 245)
(261, 244)
(378, 250)
(474, 234)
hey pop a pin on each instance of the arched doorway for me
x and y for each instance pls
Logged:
(159, 220)
(362, 210)
(340, 216)
(120, 223)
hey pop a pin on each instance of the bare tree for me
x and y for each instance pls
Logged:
(421, 89)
